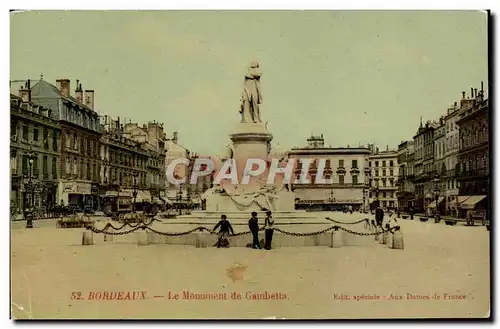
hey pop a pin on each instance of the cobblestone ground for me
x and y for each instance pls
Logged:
(50, 265)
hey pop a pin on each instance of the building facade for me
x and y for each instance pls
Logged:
(79, 165)
(451, 157)
(473, 155)
(440, 167)
(123, 169)
(425, 173)
(345, 166)
(153, 140)
(384, 170)
(33, 130)
(406, 190)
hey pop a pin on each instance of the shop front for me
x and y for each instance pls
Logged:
(125, 201)
(76, 195)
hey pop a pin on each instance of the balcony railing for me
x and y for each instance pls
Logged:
(473, 173)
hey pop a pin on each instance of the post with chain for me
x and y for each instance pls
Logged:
(200, 239)
(107, 237)
(337, 238)
(384, 237)
(397, 239)
(377, 233)
(87, 237)
(142, 237)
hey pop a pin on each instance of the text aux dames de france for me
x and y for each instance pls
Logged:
(407, 296)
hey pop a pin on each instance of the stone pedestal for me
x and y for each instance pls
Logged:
(142, 238)
(250, 141)
(397, 240)
(87, 238)
(337, 239)
(383, 239)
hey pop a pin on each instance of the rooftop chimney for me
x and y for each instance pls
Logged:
(79, 92)
(455, 105)
(471, 92)
(175, 137)
(475, 92)
(89, 99)
(63, 86)
(25, 92)
(482, 89)
(463, 94)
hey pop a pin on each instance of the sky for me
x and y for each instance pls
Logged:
(357, 77)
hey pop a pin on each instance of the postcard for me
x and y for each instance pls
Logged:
(249, 165)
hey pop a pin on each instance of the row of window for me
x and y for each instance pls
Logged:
(389, 194)
(80, 118)
(354, 164)
(47, 137)
(375, 182)
(81, 144)
(391, 163)
(384, 172)
(125, 178)
(25, 167)
(129, 160)
(81, 168)
(470, 139)
(354, 178)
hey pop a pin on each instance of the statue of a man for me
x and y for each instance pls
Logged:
(251, 97)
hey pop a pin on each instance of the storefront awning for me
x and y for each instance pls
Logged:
(110, 194)
(471, 202)
(461, 199)
(125, 193)
(433, 203)
(143, 196)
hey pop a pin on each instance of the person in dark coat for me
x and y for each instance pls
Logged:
(269, 230)
(379, 216)
(225, 230)
(253, 225)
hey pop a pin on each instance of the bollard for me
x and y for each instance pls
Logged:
(87, 238)
(377, 230)
(142, 238)
(337, 239)
(390, 239)
(397, 240)
(108, 237)
(384, 238)
(201, 240)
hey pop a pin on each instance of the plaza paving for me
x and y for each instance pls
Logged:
(49, 264)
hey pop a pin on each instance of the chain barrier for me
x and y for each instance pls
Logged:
(366, 220)
(142, 225)
(307, 234)
(105, 231)
(199, 228)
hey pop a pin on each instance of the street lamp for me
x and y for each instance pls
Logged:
(29, 186)
(134, 192)
(436, 193)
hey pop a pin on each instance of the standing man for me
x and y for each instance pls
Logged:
(225, 230)
(379, 216)
(269, 230)
(253, 225)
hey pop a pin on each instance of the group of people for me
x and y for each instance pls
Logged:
(253, 224)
